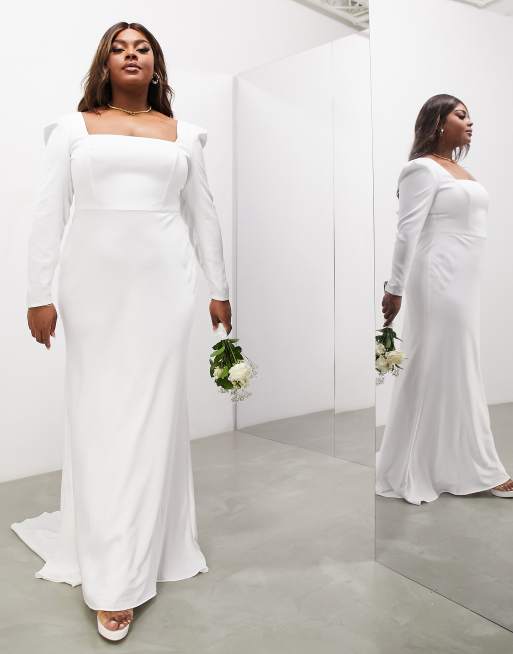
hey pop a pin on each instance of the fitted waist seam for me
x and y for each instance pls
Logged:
(108, 210)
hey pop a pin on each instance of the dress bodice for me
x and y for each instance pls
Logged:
(117, 172)
(459, 205)
(114, 171)
(433, 202)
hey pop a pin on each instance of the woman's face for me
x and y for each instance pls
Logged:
(458, 127)
(130, 48)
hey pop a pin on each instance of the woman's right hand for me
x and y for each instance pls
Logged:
(42, 321)
(390, 307)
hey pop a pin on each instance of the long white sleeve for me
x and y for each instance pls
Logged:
(417, 189)
(52, 210)
(202, 219)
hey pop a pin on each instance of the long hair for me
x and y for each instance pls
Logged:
(431, 118)
(97, 87)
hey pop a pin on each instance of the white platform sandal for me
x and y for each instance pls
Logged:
(501, 493)
(111, 634)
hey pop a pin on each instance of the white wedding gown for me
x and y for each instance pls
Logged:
(437, 436)
(127, 282)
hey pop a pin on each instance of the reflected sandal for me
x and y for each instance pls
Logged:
(499, 493)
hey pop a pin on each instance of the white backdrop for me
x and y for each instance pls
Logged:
(354, 239)
(201, 65)
(466, 52)
(305, 242)
(285, 285)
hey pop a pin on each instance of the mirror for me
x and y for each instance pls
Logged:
(304, 236)
(285, 285)
(444, 423)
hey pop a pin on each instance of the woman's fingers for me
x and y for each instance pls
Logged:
(220, 312)
(390, 308)
(42, 321)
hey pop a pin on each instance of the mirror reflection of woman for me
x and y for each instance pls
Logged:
(143, 214)
(437, 437)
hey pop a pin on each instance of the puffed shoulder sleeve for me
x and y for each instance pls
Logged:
(51, 213)
(417, 189)
(201, 215)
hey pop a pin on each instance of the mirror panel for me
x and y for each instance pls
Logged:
(285, 283)
(449, 424)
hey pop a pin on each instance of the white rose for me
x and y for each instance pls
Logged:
(394, 357)
(380, 348)
(217, 372)
(240, 372)
(382, 364)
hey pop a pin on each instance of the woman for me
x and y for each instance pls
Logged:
(143, 210)
(437, 438)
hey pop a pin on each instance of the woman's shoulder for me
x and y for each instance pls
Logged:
(64, 123)
(188, 132)
(420, 165)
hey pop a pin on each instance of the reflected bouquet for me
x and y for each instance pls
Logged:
(230, 369)
(387, 357)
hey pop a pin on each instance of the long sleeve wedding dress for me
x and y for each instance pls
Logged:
(437, 436)
(142, 211)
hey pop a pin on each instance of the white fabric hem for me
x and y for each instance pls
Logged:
(134, 603)
(418, 501)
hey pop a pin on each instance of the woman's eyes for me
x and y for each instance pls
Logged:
(143, 50)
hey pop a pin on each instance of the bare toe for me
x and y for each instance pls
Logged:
(115, 619)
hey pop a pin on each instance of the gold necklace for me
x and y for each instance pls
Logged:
(447, 158)
(132, 113)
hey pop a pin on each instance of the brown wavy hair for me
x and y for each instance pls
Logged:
(430, 119)
(96, 83)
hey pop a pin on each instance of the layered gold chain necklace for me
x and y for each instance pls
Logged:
(128, 111)
(446, 158)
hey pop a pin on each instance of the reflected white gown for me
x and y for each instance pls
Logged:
(437, 437)
(127, 281)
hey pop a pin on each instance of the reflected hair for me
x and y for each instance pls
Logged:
(96, 83)
(430, 120)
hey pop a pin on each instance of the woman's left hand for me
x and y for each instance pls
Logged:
(221, 312)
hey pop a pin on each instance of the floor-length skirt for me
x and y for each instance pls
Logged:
(127, 515)
(438, 437)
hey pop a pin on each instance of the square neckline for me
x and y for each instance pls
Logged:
(129, 136)
(458, 179)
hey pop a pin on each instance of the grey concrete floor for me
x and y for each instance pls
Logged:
(459, 546)
(288, 534)
(348, 435)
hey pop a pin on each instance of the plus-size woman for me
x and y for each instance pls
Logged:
(143, 212)
(437, 437)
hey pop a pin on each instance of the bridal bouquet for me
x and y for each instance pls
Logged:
(230, 369)
(387, 357)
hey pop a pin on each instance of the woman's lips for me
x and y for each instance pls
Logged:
(132, 68)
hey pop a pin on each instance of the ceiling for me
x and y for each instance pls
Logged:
(504, 7)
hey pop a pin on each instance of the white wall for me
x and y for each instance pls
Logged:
(285, 284)
(418, 50)
(304, 178)
(354, 241)
(204, 45)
